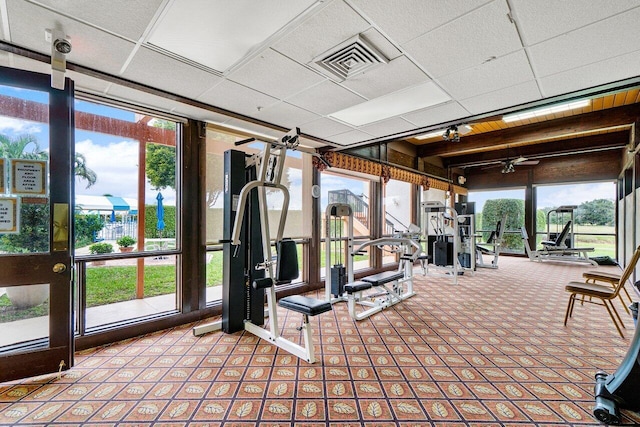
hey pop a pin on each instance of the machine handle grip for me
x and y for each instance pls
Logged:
(244, 141)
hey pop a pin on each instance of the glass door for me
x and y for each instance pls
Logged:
(36, 146)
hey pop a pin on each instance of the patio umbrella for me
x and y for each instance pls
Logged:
(113, 216)
(160, 212)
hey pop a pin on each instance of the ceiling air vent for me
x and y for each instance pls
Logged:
(355, 56)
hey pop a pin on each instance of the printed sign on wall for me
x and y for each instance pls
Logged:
(9, 208)
(29, 177)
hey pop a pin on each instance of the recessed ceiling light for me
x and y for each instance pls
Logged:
(393, 104)
(545, 111)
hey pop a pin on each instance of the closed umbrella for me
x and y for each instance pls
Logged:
(160, 212)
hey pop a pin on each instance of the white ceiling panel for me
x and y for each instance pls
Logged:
(435, 115)
(286, 115)
(540, 20)
(329, 27)
(324, 127)
(467, 41)
(514, 95)
(196, 113)
(605, 39)
(502, 72)
(276, 75)
(140, 98)
(169, 74)
(387, 127)
(350, 137)
(237, 98)
(17, 61)
(618, 68)
(325, 98)
(253, 128)
(108, 14)
(88, 84)
(91, 47)
(404, 20)
(397, 74)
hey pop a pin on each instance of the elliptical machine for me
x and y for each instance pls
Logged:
(620, 389)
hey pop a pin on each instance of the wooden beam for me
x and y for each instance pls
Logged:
(583, 144)
(535, 133)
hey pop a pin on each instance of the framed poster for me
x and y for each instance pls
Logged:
(29, 177)
(9, 218)
(3, 176)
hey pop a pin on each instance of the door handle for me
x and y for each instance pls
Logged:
(59, 268)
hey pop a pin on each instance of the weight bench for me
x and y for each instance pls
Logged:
(392, 296)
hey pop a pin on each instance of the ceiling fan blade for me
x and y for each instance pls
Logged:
(519, 160)
(529, 162)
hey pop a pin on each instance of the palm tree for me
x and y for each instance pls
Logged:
(17, 148)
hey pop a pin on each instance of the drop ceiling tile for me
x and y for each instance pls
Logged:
(404, 20)
(502, 72)
(435, 115)
(388, 127)
(286, 115)
(618, 68)
(467, 41)
(397, 74)
(544, 19)
(87, 83)
(237, 98)
(202, 114)
(109, 15)
(91, 47)
(23, 63)
(254, 128)
(605, 39)
(325, 98)
(324, 127)
(350, 138)
(503, 98)
(276, 75)
(161, 71)
(143, 99)
(327, 28)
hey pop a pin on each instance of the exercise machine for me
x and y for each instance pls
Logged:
(558, 254)
(338, 248)
(250, 269)
(450, 247)
(620, 389)
(492, 246)
(374, 293)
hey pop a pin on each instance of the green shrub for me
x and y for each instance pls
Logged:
(101, 248)
(126, 241)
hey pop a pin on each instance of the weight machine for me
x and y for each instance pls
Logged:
(250, 269)
(492, 246)
(450, 245)
(372, 293)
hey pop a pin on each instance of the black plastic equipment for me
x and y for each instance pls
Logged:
(287, 266)
(620, 389)
(358, 286)
(383, 278)
(305, 305)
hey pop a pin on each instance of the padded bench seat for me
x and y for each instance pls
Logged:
(383, 278)
(304, 305)
(358, 286)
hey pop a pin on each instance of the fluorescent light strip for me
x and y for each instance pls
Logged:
(430, 135)
(545, 111)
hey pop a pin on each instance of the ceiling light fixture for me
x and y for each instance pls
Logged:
(462, 130)
(545, 111)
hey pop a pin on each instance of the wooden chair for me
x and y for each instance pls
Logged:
(604, 293)
(610, 278)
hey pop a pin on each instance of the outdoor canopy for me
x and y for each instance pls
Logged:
(106, 204)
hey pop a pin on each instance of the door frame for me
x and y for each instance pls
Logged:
(38, 268)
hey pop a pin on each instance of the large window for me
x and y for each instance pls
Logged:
(492, 206)
(126, 202)
(592, 215)
(355, 192)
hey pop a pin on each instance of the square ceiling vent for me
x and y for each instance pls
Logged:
(352, 57)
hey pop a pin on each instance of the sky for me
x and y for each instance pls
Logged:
(550, 196)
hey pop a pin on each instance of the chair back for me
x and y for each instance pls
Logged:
(628, 270)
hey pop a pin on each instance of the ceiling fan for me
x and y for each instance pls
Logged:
(508, 165)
